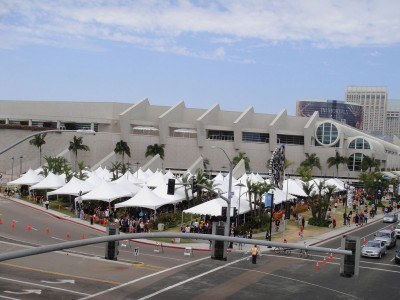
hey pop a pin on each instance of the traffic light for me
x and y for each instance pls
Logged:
(223, 213)
(349, 265)
(171, 187)
(235, 212)
(194, 184)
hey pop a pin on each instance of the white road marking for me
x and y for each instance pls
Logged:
(298, 280)
(192, 278)
(5, 297)
(376, 269)
(142, 278)
(43, 286)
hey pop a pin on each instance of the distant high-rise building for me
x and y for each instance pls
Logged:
(374, 101)
(393, 118)
(350, 114)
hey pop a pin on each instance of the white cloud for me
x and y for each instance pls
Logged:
(173, 25)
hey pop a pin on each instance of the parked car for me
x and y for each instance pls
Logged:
(387, 236)
(397, 230)
(390, 218)
(374, 248)
(397, 257)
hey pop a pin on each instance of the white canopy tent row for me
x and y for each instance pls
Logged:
(108, 192)
(29, 178)
(146, 199)
(51, 182)
(73, 188)
(213, 207)
(293, 187)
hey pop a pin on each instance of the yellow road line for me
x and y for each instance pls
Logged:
(61, 274)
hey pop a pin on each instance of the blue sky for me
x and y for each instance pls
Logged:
(265, 54)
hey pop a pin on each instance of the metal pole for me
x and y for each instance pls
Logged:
(111, 238)
(12, 168)
(20, 165)
(228, 213)
(272, 215)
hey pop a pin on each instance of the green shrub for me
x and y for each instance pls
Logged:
(319, 223)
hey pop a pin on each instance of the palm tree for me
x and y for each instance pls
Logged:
(75, 145)
(311, 161)
(122, 148)
(153, 150)
(336, 161)
(239, 157)
(115, 168)
(38, 141)
(82, 167)
(369, 162)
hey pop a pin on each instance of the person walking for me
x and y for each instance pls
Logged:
(46, 203)
(254, 253)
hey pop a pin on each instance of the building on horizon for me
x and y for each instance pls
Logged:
(350, 114)
(373, 99)
(188, 135)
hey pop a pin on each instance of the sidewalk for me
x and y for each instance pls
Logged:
(203, 245)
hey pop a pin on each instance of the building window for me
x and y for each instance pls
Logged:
(220, 135)
(354, 162)
(145, 130)
(183, 133)
(290, 139)
(255, 137)
(359, 143)
(327, 134)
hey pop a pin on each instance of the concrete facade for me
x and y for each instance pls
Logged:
(188, 133)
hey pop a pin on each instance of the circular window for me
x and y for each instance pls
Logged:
(359, 143)
(354, 162)
(327, 134)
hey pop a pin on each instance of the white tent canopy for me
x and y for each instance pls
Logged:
(73, 187)
(156, 180)
(107, 191)
(51, 182)
(212, 207)
(29, 178)
(178, 196)
(145, 198)
(293, 187)
(127, 185)
(94, 179)
(280, 196)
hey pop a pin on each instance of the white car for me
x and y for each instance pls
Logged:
(374, 248)
(397, 230)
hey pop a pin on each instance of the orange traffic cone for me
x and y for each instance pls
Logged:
(324, 262)
(12, 224)
(331, 257)
(364, 241)
(68, 235)
(317, 267)
(1, 222)
(47, 231)
(28, 227)
(83, 236)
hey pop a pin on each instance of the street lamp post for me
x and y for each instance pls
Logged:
(12, 168)
(137, 169)
(346, 186)
(240, 185)
(228, 212)
(20, 165)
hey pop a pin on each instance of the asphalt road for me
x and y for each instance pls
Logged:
(82, 273)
